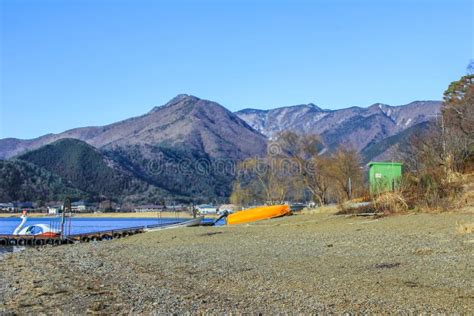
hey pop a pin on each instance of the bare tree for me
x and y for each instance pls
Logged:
(347, 173)
(318, 178)
(267, 176)
(294, 165)
(314, 169)
(240, 196)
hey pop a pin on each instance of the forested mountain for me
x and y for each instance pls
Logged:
(85, 168)
(391, 147)
(188, 148)
(185, 149)
(23, 181)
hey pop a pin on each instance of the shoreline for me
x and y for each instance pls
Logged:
(113, 215)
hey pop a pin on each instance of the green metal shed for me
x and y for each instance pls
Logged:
(384, 176)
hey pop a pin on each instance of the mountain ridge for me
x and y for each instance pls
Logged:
(203, 125)
(175, 121)
(141, 158)
(167, 148)
(389, 121)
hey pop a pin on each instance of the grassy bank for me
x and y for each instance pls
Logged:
(306, 263)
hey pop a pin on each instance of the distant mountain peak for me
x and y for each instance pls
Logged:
(311, 106)
(182, 98)
(380, 106)
(179, 99)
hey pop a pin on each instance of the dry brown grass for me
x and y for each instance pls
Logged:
(428, 194)
(391, 203)
(348, 208)
(465, 228)
(466, 199)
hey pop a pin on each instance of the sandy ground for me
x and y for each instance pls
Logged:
(305, 263)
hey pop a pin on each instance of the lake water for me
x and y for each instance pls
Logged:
(80, 225)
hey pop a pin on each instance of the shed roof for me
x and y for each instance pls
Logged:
(385, 163)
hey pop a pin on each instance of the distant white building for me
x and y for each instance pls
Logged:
(148, 208)
(7, 207)
(81, 206)
(206, 209)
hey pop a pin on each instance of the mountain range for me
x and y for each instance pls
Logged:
(355, 126)
(184, 122)
(186, 148)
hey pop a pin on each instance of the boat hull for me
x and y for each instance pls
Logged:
(189, 223)
(49, 235)
(258, 213)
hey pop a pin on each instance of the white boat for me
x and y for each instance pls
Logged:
(190, 223)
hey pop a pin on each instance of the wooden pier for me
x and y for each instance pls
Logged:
(35, 241)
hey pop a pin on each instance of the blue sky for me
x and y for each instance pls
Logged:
(75, 63)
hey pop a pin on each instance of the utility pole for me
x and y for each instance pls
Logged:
(446, 159)
(349, 185)
(193, 209)
(66, 206)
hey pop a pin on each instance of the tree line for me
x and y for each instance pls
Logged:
(440, 161)
(438, 164)
(297, 167)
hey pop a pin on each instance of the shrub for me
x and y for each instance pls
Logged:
(390, 202)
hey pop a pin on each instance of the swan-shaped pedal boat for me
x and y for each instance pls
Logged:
(39, 230)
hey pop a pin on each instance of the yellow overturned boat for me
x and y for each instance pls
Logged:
(258, 213)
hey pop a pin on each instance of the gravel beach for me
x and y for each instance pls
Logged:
(304, 263)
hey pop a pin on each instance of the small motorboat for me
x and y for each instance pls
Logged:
(190, 223)
(258, 213)
(40, 230)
